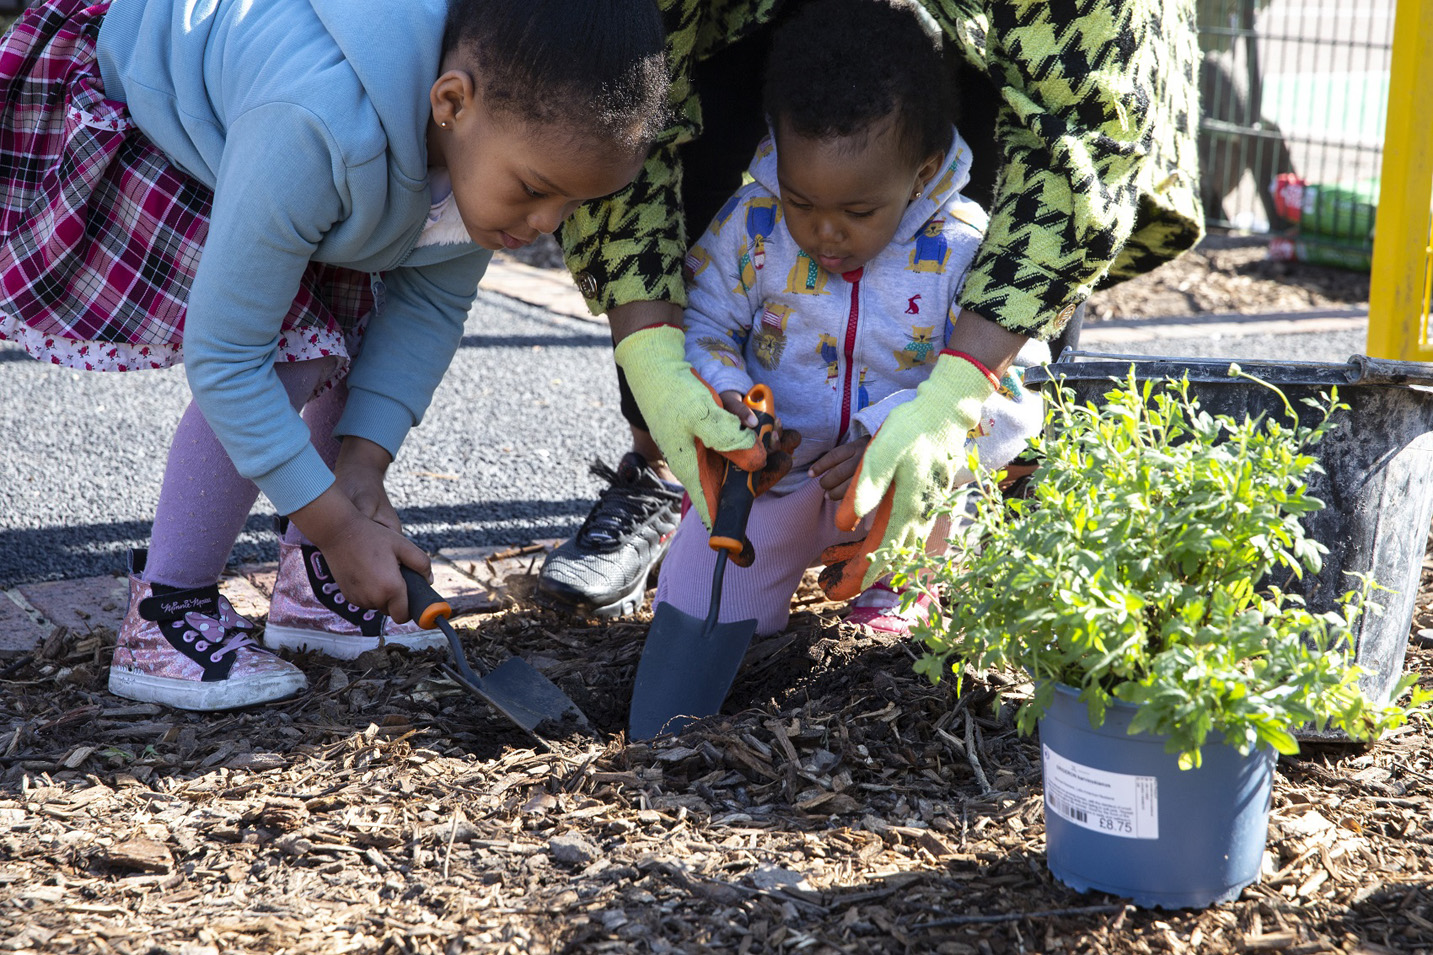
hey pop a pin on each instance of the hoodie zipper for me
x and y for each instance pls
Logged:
(379, 290)
(848, 348)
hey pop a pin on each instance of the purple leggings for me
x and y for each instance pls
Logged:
(788, 534)
(204, 502)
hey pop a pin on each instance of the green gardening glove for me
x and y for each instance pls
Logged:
(685, 416)
(907, 470)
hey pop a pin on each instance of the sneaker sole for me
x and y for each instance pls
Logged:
(347, 648)
(204, 697)
(628, 603)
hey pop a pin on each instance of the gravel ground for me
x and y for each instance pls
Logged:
(501, 456)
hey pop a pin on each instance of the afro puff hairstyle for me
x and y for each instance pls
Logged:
(595, 66)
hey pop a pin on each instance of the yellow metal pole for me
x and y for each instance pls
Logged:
(1398, 304)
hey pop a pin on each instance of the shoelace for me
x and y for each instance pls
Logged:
(330, 586)
(877, 597)
(620, 506)
(332, 590)
(199, 625)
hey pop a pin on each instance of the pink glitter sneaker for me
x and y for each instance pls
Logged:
(191, 650)
(308, 612)
(879, 608)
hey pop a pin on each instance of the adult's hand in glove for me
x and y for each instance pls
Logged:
(685, 416)
(908, 469)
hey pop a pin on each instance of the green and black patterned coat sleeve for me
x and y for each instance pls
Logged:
(1096, 124)
(630, 247)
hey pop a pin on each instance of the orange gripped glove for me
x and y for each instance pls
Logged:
(907, 470)
(685, 416)
(778, 465)
(847, 565)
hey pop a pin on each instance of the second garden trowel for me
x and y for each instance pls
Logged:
(688, 663)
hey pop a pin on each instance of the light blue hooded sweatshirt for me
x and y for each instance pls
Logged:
(307, 118)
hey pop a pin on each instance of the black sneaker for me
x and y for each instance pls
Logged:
(603, 570)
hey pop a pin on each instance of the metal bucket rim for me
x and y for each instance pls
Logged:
(1077, 366)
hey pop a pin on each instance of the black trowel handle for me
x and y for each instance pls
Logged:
(424, 605)
(738, 487)
(429, 610)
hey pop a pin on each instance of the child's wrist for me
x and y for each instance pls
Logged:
(993, 378)
(357, 454)
(633, 317)
(327, 518)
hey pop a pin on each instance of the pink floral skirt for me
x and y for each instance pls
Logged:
(100, 234)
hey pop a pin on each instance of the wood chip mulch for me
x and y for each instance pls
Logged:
(841, 804)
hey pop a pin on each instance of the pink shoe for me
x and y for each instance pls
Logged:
(308, 612)
(879, 608)
(191, 650)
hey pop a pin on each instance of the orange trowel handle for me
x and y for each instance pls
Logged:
(738, 488)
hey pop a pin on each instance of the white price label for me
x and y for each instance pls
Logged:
(1116, 804)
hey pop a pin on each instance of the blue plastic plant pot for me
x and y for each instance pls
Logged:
(1122, 817)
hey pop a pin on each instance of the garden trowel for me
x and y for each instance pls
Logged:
(688, 664)
(514, 687)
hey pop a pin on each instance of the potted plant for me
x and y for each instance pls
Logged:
(1135, 586)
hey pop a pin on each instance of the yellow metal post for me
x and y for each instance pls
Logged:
(1402, 277)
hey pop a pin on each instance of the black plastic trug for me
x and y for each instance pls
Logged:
(1358, 370)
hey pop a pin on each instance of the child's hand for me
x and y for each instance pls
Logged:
(836, 467)
(731, 401)
(363, 553)
(359, 474)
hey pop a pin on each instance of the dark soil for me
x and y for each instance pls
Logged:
(1231, 274)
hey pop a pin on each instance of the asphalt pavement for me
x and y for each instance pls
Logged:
(501, 458)
(502, 455)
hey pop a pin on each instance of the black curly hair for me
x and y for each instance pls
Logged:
(596, 66)
(838, 68)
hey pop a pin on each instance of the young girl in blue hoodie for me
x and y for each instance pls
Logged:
(832, 278)
(296, 198)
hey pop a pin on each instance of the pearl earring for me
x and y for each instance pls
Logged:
(919, 194)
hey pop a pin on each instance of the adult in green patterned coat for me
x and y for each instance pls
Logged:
(1089, 110)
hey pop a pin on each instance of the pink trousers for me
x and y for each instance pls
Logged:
(788, 534)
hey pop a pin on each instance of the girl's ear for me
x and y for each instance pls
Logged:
(452, 93)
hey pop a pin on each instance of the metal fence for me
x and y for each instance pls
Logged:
(1295, 87)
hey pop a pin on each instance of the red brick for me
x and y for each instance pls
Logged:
(490, 567)
(464, 593)
(247, 599)
(80, 605)
(261, 576)
(17, 630)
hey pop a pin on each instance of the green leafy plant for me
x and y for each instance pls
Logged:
(1132, 572)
